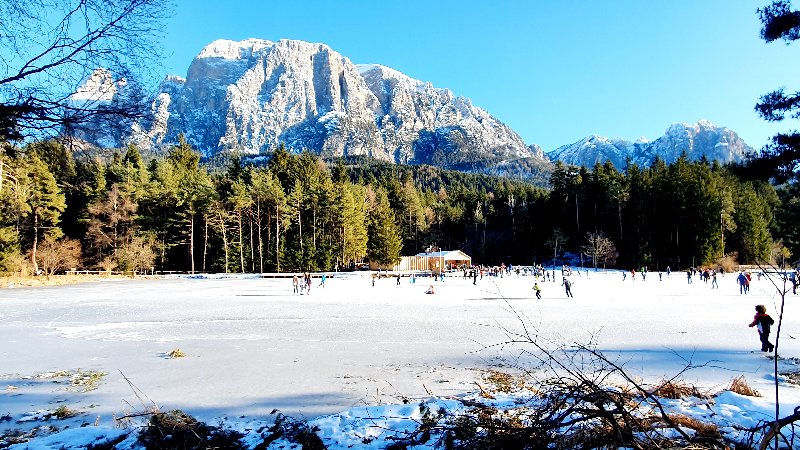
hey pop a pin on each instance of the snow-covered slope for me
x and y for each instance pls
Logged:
(251, 96)
(254, 95)
(702, 139)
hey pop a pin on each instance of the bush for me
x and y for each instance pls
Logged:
(728, 263)
(676, 390)
(177, 430)
(176, 353)
(739, 385)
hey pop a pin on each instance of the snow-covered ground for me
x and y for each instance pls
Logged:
(351, 349)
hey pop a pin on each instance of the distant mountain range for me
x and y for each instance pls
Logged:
(702, 139)
(254, 95)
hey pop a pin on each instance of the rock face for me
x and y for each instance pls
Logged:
(254, 95)
(697, 140)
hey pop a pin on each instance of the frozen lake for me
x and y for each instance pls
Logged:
(253, 347)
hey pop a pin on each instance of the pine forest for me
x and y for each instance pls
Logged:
(285, 212)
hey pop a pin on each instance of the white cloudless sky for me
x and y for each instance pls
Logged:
(555, 71)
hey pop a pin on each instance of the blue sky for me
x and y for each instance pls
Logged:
(555, 71)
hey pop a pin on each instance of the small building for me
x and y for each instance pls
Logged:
(431, 261)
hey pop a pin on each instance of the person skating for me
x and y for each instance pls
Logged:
(764, 322)
(567, 286)
(741, 279)
(538, 290)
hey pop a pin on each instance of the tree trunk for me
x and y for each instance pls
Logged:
(205, 241)
(277, 239)
(252, 247)
(260, 238)
(224, 240)
(35, 242)
(300, 225)
(191, 241)
(241, 243)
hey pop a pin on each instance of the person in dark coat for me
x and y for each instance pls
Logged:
(567, 286)
(764, 323)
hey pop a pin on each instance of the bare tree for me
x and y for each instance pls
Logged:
(55, 255)
(136, 253)
(600, 249)
(50, 48)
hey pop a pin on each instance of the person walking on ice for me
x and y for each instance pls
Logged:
(741, 280)
(538, 290)
(764, 322)
(567, 286)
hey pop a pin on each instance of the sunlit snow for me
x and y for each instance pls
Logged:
(351, 350)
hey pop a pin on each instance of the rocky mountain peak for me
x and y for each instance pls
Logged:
(251, 96)
(701, 139)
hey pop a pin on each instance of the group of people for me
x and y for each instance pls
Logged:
(301, 284)
(743, 280)
(565, 281)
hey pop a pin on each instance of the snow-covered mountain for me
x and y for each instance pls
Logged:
(254, 95)
(696, 140)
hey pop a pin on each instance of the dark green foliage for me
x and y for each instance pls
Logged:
(296, 213)
(780, 160)
(778, 21)
(787, 218)
(384, 242)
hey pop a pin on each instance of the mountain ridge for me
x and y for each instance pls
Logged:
(698, 140)
(253, 95)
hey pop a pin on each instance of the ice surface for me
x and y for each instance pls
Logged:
(253, 347)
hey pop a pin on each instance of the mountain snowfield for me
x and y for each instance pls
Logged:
(253, 95)
(357, 360)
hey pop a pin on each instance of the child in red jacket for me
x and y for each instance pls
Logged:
(764, 322)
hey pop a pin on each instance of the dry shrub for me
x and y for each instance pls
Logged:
(64, 412)
(702, 429)
(676, 390)
(728, 263)
(178, 430)
(176, 353)
(295, 431)
(503, 382)
(739, 385)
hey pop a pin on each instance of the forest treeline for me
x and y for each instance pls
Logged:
(293, 212)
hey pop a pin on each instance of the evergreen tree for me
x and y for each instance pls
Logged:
(780, 160)
(44, 204)
(753, 215)
(384, 241)
(350, 224)
(787, 217)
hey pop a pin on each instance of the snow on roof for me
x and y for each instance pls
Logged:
(446, 254)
